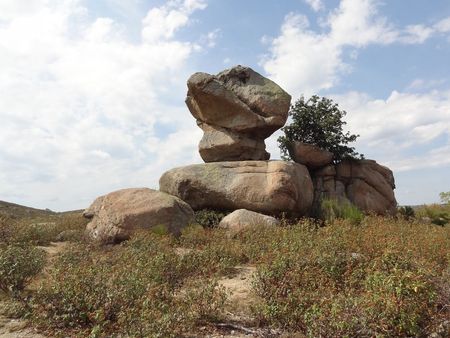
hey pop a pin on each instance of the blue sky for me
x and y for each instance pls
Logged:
(92, 92)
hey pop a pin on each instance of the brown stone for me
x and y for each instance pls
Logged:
(242, 219)
(220, 144)
(242, 107)
(117, 215)
(310, 155)
(269, 187)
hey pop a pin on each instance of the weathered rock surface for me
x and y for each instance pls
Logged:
(117, 215)
(240, 103)
(241, 219)
(220, 144)
(270, 187)
(310, 155)
(369, 186)
(365, 183)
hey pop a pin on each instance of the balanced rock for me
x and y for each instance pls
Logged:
(310, 155)
(234, 108)
(269, 187)
(241, 219)
(117, 215)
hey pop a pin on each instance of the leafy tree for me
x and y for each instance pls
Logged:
(318, 121)
(445, 197)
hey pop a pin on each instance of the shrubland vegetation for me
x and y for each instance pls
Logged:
(350, 275)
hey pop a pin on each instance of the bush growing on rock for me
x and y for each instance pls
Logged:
(318, 121)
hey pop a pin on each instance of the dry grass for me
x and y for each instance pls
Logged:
(383, 277)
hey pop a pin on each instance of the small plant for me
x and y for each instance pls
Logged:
(18, 265)
(407, 212)
(332, 209)
(445, 197)
(209, 218)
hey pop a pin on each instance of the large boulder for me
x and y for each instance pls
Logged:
(269, 187)
(240, 103)
(115, 216)
(310, 155)
(369, 186)
(241, 219)
(365, 183)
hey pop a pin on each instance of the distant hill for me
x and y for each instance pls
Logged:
(17, 211)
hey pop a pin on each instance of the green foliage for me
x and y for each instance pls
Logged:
(332, 209)
(209, 218)
(407, 212)
(68, 226)
(445, 197)
(318, 121)
(376, 280)
(140, 289)
(18, 265)
(437, 214)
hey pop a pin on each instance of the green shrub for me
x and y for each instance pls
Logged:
(407, 212)
(438, 214)
(18, 265)
(138, 289)
(68, 226)
(209, 218)
(332, 209)
(383, 278)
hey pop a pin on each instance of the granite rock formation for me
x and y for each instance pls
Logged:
(117, 215)
(237, 109)
(269, 187)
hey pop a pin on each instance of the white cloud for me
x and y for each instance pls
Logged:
(405, 131)
(316, 5)
(163, 22)
(416, 34)
(82, 104)
(443, 26)
(306, 61)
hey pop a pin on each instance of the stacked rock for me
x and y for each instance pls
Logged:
(364, 183)
(237, 110)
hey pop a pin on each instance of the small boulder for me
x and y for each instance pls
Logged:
(310, 155)
(115, 216)
(241, 219)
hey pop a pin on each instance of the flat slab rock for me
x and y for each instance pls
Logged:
(117, 215)
(269, 187)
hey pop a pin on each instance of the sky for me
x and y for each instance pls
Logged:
(92, 91)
